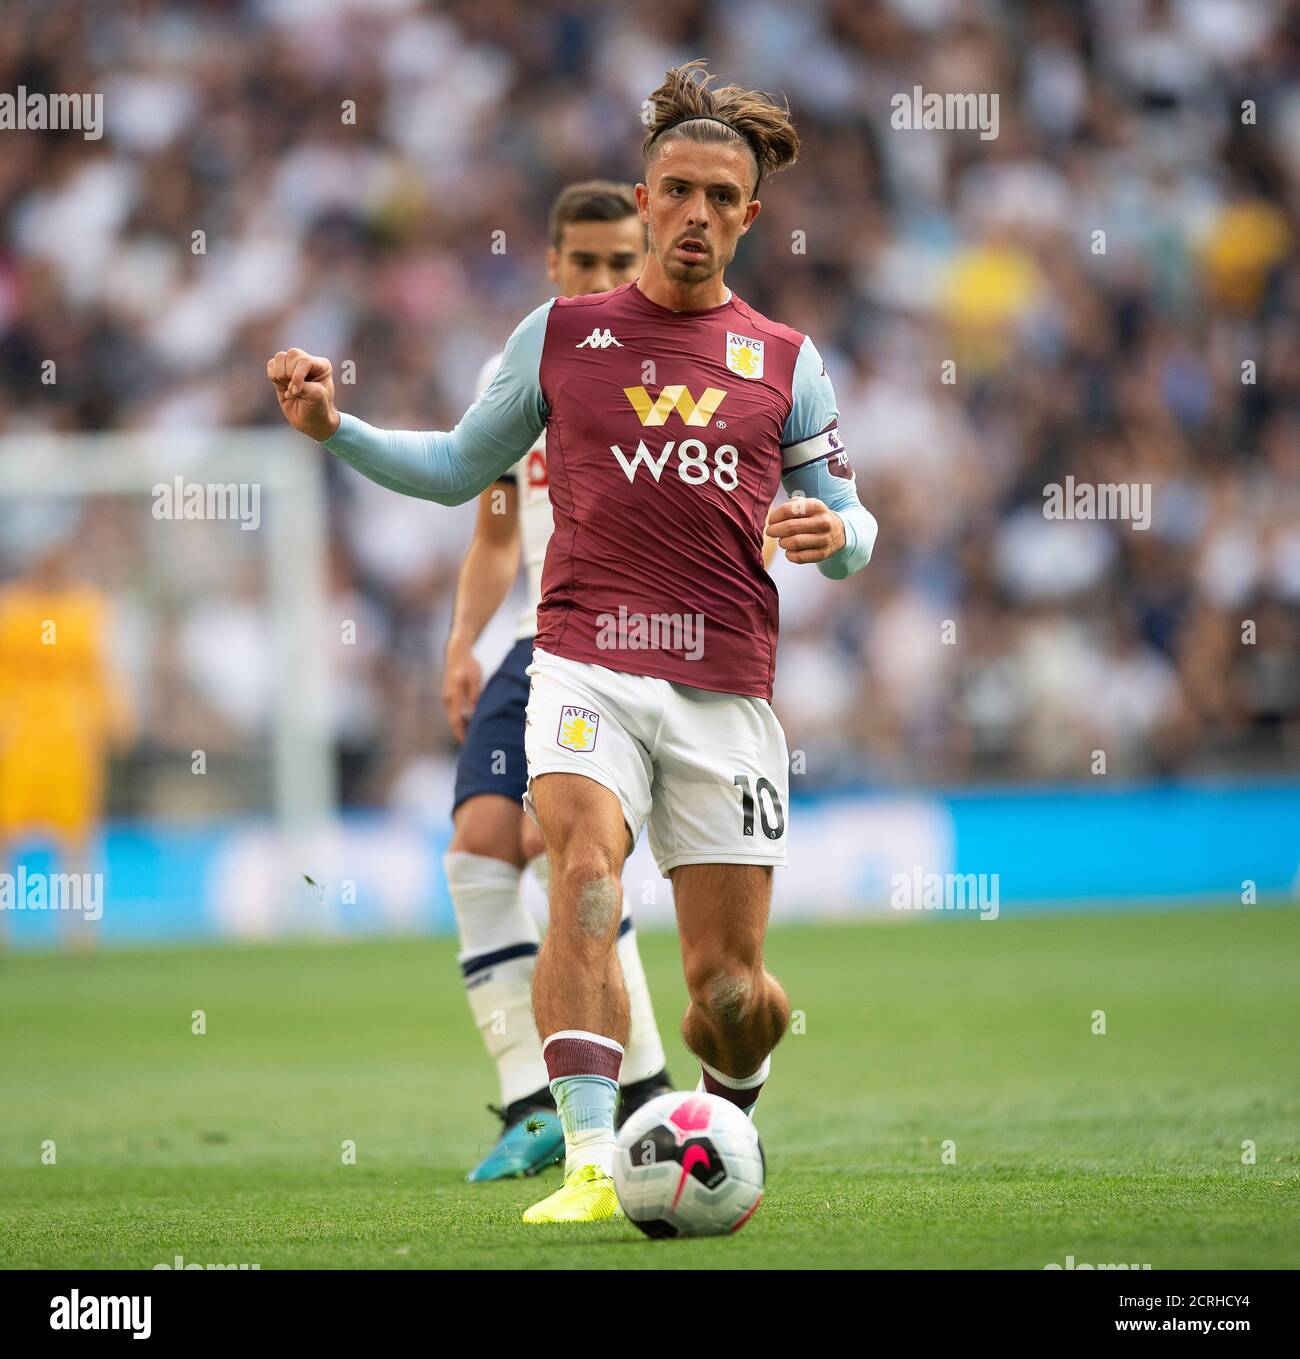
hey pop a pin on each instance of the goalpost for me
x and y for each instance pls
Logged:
(182, 506)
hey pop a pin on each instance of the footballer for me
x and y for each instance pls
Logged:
(597, 243)
(672, 411)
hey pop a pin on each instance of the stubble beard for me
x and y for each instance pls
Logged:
(688, 274)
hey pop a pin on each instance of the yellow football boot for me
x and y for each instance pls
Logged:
(587, 1195)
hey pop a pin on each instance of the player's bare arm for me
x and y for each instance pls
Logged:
(486, 575)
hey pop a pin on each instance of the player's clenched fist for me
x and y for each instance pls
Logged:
(304, 386)
(805, 529)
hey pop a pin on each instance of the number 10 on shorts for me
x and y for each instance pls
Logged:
(771, 815)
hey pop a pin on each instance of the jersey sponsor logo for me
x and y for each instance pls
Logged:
(599, 339)
(578, 728)
(677, 399)
(692, 462)
(744, 355)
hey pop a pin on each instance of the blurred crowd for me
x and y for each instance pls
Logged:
(1107, 290)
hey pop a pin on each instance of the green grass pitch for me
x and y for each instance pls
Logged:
(227, 1148)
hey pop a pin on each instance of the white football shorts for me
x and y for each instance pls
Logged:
(707, 771)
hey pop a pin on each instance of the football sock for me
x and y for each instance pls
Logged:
(584, 1080)
(644, 1056)
(498, 949)
(742, 1091)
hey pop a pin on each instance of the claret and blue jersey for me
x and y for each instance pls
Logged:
(667, 436)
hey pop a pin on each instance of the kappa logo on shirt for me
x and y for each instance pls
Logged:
(599, 339)
(578, 728)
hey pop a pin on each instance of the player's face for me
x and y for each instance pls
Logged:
(596, 256)
(697, 207)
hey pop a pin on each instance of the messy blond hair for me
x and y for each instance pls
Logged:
(685, 106)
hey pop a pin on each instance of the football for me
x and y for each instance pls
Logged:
(689, 1164)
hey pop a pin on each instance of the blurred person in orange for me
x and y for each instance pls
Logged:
(63, 709)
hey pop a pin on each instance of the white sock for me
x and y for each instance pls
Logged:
(587, 1146)
(756, 1081)
(644, 1055)
(498, 950)
(583, 1066)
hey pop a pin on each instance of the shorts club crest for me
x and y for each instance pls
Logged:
(577, 729)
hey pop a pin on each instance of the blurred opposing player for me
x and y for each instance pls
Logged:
(672, 410)
(62, 707)
(597, 243)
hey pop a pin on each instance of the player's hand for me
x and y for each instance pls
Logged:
(304, 386)
(462, 682)
(805, 529)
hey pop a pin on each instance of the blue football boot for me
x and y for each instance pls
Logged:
(533, 1141)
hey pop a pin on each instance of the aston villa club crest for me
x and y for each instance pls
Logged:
(744, 356)
(578, 729)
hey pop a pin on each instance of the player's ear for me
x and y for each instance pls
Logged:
(752, 209)
(552, 264)
(643, 202)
